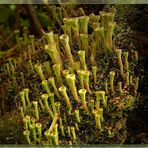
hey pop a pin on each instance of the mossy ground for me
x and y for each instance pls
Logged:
(88, 134)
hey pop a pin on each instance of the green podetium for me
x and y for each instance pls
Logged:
(61, 127)
(84, 43)
(35, 103)
(70, 78)
(22, 77)
(110, 29)
(45, 98)
(32, 42)
(49, 36)
(57, 107)
(45, 86)
(54, 135)
(97, 119)
(99, 37)
(51, 97)
(106, 87)
(75, 27)
(86, 80)
(65, 42)
(26, 121)
(93, 47)
(49, 137)
(48, 68)
(126, 61)
(81, 54)
(92, 104)
(52, 83)
(53, 53)
(38, 68)
(127, 79)
(73, 132)
(83, 24)
(100, 95)
(94, 70)
(80, 75)
(94, 18)
(77, 115)
(54, 121)
(33, 129)
(26, 133)
(26, 90)
(136, 56)
(22, 95)
(39, 130)
(22, 112)
(120, 88)
(65, 72)
(111, 76)
(98, 99)
(119, 52)
(31, 68)
(67, 29)
(57, 72)
(136, 84)
(62, 90)
(82, 93)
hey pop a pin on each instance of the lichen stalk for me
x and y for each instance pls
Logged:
(65, 42)
(120, 88)
(54, 121)
(48, 68)
(81, 54)
(62, 90)
(94, 18)
(84, 43)
(71, 83)
(77, 115)
(57, 107)
(45, 98)
(86, 81)
(35, 103)
(111, 76)
(136, 83)
(73, 132)
(94, 70)
(126, 61)
(26, 133)
(54, 54)
(26, 90)
(57, 71)
(75, 28)
(82, 93)
(65, 72)
(119, 52)
(127, 79)
(31, 68)
(83, 24)
(38, 68)
(39, 130)
(45, 86)
(22, 95)
(80, 75)
(52, 83)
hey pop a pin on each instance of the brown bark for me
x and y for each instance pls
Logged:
(34, 19)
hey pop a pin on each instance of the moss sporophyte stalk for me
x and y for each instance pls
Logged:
(80, 85)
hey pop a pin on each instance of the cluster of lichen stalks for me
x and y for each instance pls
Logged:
(62, 99)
